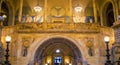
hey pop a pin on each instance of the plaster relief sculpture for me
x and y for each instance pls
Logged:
(90, 46)
(25, 47)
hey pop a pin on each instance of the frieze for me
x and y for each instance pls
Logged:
(30, 26)
(87, 27)
(59, 27)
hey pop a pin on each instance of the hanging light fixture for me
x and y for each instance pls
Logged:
(37, 8)
(78, 8)
(57, 51)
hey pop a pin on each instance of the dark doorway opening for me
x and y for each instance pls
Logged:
(109, 15)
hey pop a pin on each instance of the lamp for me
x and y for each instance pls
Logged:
(108, 61)
(107, 39)
(70, 64)
(37, 8)
(78, 8)
(4, 16)
(8, 39)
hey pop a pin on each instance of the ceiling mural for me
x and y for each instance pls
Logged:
(62, 3)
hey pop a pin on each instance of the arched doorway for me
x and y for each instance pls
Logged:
(58, 51)
(5, 13)
(108, 15)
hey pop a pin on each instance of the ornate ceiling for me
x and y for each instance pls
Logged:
(28, 5)
(32, 3)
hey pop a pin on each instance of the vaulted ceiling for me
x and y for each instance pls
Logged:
(32, 3)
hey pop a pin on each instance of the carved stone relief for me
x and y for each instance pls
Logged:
(26, 42)
(90, 47)
(25, 46)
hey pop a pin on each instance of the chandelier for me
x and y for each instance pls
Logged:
(78, 8)
(37, 8)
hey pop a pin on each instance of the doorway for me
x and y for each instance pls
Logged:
(58, 51)
(108, 14)
(58, 61)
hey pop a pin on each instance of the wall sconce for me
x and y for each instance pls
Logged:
(67, 61)
(4, 16)
(48, 62)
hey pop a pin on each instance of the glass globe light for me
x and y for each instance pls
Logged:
(106, 38)
(8, 38)
(37, 8)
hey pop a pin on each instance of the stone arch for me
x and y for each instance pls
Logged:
(40, 43)
(11, 12)
(118, 7)
(103, 11)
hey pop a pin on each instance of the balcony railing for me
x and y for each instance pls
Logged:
(58, 27)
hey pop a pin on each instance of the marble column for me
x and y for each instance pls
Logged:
(95, 11)
(70, 5)
(116, 9)
(45, 14)
(71, 15)
(20, 11)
